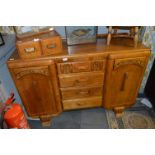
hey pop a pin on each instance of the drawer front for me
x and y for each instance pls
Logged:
(81, 79)
(82, 66)
(73, 93)
(73, 67)
(51, 45)
(82, 103)
(29, 49)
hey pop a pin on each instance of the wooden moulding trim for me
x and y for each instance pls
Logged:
(138, 61)
(26, 72)
(42, 114)
(127, 55)
(58, 58)
(29, 63)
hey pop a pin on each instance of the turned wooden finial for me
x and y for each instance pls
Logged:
(109, 35)
(136, 36)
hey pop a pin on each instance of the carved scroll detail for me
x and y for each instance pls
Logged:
(66, 68)
(129, 62)
(97, 66)
(34, 71)
(70, 68)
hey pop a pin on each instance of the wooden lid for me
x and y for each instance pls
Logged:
(43, 35)
(34, 34)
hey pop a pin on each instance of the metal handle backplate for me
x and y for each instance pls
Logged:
(30, 49)
(50, 46)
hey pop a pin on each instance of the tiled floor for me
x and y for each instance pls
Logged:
(79, 119)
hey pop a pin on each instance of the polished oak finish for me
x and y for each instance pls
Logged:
(51, 45)
(89, 102)
(81, 79)
(37, 85)
(46, 120)
(41, 45)
(81, 76)
(29, 49)
(123, 78)
(72, 93)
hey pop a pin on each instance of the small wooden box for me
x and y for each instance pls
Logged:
(41, 45)
(51, 45)
(29, 49)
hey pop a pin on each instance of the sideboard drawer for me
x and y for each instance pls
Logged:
(51, 45)
(82, 103)
(73, 93)
(81, 79)
(74, 67)
(81, 66)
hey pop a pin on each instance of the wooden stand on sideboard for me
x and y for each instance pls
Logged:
(82, 76)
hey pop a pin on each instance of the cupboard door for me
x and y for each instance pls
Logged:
(123, 80)
(35, 83)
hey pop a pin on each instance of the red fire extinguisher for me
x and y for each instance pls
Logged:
(14, 115)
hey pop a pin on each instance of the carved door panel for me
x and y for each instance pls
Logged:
(36, 86)
(123, 80)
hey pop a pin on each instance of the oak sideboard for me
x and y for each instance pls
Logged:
(81, 76)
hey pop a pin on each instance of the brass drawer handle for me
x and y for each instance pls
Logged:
(87, 92)
(80, 104)
(84, 92)
(79, 81)
(51, 46)
(84, 79)
(30, 49)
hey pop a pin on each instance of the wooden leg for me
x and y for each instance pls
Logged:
(45, 120)
(119, 111)
(136, 36)
(115, 31)
(132, 32)
(109, 35)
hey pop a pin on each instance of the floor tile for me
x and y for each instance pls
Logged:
(35, 124)
(94, 118)
(67, 120)
(77, 119)
(93, 126)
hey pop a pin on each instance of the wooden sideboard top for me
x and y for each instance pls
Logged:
(118, 45)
